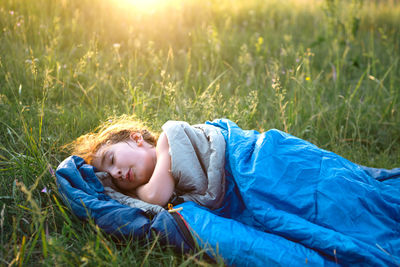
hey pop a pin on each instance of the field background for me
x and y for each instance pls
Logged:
(326, 71)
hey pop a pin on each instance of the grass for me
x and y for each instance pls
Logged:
(326, 71)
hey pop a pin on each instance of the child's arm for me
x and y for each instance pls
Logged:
(161, 185)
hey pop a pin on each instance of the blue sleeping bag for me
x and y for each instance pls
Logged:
(84, 194)
(287, 202)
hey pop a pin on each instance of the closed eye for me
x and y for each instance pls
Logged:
(112, 159)
(108, 158)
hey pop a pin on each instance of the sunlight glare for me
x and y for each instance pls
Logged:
(144, 5)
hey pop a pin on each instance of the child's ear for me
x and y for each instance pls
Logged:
(137, 138)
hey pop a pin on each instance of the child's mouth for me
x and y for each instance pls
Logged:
(129, 175)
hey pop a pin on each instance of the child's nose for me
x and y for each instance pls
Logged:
(116, 173)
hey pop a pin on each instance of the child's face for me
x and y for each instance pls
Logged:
(131, 163)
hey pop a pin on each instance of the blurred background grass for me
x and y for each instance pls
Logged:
(326, 71)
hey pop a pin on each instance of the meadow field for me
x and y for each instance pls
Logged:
(327, 71)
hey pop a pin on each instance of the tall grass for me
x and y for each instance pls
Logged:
(326, 71)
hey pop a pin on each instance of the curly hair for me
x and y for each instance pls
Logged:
(112, 131)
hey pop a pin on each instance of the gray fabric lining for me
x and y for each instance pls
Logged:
(197, 162)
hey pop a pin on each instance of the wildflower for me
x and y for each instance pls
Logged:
(11, 12)
(308, 78)
(259, 43)
(44, 190)
(116, 45)
(51, 170)
(309, 53)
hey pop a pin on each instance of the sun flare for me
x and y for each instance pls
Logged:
(144, 5)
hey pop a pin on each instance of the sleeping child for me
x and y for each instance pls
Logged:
(271, 191)
(186, 162)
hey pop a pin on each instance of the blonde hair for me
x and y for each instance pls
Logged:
(112, 131)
